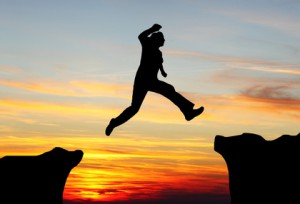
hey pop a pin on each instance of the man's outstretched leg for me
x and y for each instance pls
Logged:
(186, 107)
(137, 100)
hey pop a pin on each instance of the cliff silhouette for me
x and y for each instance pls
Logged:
(261, 171)
(36, 179)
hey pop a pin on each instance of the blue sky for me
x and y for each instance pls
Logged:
(103, 34)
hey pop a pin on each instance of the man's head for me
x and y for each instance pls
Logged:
(158, 39)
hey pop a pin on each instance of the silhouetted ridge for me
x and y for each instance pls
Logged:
(36, 179)
(261, 171)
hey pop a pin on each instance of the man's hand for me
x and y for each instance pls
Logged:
(164, 74)
(156, 27)
(162, 71)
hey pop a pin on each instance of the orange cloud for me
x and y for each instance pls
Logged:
(253, 94)
(72, 88)
(277, 70)
(273, 94)
(223, 109)
(159, 113)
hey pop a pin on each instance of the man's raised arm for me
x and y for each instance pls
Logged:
(147, 32)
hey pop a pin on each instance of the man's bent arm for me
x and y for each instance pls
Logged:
(162, 71)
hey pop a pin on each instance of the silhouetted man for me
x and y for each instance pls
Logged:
(146, 80)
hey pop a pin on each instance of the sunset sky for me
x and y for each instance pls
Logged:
(67, 68)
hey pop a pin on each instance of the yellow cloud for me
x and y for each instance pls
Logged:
(72, 88)
(52, 108)
(224, 109)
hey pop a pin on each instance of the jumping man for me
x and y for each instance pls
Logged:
(146, 80)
